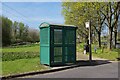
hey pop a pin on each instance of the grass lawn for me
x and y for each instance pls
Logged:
(23, 61)
(105, 53)
(20, 52)
(21, 66)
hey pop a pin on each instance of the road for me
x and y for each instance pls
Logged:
(108, 70)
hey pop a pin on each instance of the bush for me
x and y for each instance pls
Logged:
(11, 56)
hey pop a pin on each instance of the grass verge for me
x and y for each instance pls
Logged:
(101, 53)
(21, 66)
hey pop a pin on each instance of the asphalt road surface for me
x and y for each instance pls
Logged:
(108, 70)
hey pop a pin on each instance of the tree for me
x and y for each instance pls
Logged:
(78, 13)
(33, 35)
(73, 14)
(14, 31)
(111, 13)
(21, 30)
(97, 12)
(98, 24)
(25, 34)
(116, 17)
(6, 31)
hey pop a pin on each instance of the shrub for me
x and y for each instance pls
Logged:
(11, 56)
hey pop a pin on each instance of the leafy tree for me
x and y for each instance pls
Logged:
(21, 30)
(14, 31)
(116, 18)
(98, 13)
(111, 12)
(25, 33)
(6, 31)
(78, 13)
(33, 35)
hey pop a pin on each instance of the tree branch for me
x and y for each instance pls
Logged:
(106, 24)
(103, 20)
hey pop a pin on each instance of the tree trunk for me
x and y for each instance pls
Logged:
(115, 35)
(110, 38)
(99, 39)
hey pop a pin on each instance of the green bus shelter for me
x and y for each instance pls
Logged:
(57, 44)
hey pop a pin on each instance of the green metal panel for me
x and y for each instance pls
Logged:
(44, 34)
(44, 45)
(44, 55)
(57, 43)
(63, 45)
(69, 51)
(51, 45)
(69, 36)
(58, 36)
